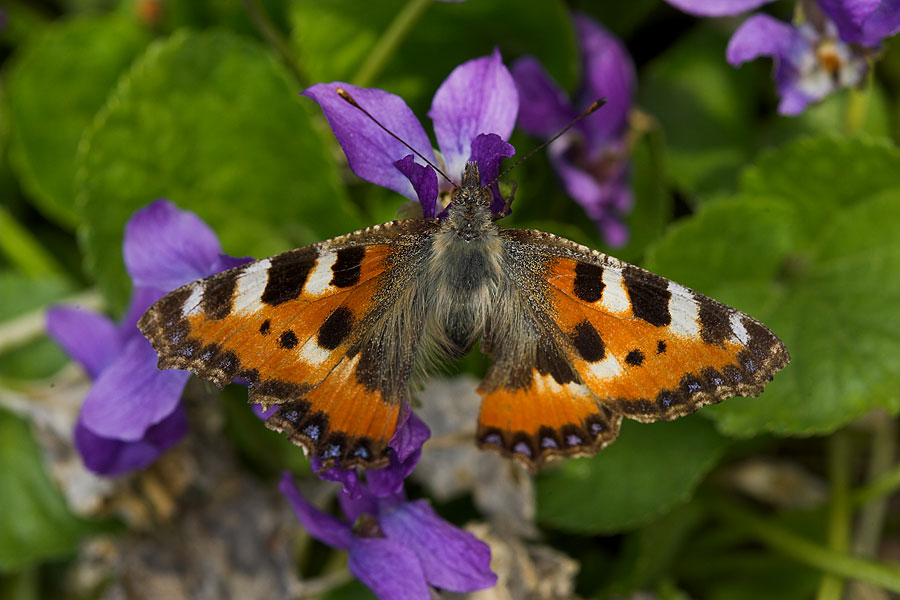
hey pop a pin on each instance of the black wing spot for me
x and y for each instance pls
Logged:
(288, 340)
(660, 346)
(588, 284)
(335, 329)
(649, 295)
(348, 267)
(715, 327)
(588, 342)
(218, 294)
(635, 358)
(288, 273)
(266, 327)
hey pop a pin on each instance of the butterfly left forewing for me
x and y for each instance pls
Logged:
(302, 329)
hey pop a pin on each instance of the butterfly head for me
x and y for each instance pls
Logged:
(469, 214)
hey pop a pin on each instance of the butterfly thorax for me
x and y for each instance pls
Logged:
(465, 266)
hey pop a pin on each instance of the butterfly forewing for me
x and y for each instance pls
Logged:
(302, 329)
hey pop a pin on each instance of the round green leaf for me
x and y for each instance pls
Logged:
(211, 122)
(648, 470)
(56, 84)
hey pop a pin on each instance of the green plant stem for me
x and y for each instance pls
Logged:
(839, 512)
(273, 37)
(885, 485)
(388, 43)
(881, 457)
(857, 107)
(794, 546)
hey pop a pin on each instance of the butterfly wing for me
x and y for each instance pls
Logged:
(328, 332)
(611, 341)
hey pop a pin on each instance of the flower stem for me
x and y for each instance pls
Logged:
(794, 546)
(388, 43)
(24, 328)
(884, 485)
(273, 37)
(857, 107)
(884, 450)
(840, 512)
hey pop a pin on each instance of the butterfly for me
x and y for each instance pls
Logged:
(333, 332)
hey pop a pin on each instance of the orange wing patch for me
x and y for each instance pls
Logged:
(545, 420)
(651, 349)
(287, 326)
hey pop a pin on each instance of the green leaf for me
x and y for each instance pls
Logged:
(35, 523)
(820, 175)
(812, 248)
(211, 122)
(648, 470)
(334, 39)
(56, 84)
(706, 110)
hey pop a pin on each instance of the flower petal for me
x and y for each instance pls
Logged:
(355, 506)
(865, 22)
(479, 96)
(424, 181)
(370, 151)
(111, 457)
(544, 108)
(89, 338)
(132, 395)
(451, 558)
(166, 247)
(322, 526)
(346, 477)
(760, 35)
(489, 150)
(388, 569)
(410, 435)
(716, 8)
(608, 72)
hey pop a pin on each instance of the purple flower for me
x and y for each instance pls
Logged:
(591, 158)
(811, 61)
(473, 111)
(827, 51)
(397, 548)
(865, 22)
(132, 414)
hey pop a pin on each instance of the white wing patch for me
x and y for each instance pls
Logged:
(685, 311)
(250, 287)
(319, 281)
(615, 297)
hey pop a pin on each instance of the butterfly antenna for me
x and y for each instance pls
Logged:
(352, 102)
(590, 109)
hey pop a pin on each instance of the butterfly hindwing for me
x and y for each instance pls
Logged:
(610, 340)
(307, 330)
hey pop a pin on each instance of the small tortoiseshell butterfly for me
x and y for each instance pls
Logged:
(579, 339)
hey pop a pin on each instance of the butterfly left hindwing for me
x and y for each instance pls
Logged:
(305, 329)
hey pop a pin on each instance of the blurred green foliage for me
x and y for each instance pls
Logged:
(108, 106)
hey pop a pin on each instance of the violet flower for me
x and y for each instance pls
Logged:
(132, 414)
(591, 158)
(473, 111)
(828, 50)
(399, 549)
